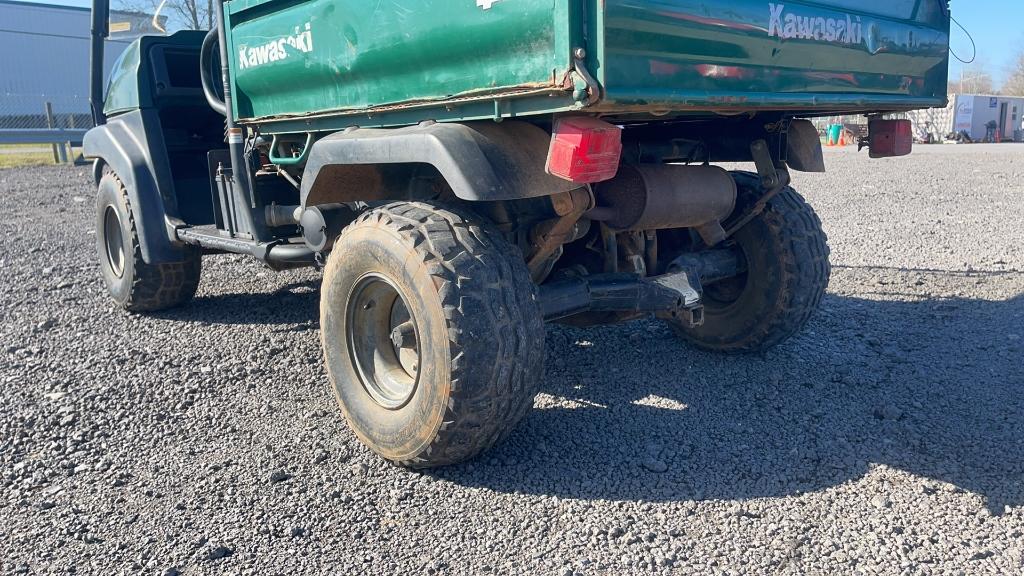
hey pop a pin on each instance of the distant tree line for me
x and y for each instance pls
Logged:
(975, 78)
(1014, 85)
(181, 14)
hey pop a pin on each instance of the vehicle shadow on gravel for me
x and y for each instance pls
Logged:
(934, 387)
(295, 305)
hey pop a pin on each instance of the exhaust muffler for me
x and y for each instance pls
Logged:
(663, 196)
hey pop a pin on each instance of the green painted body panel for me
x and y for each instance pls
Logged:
(292, 58)
(132, 78)
(692, 54)
(123, 86)
(319, 65)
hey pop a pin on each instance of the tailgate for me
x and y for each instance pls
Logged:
(809, 55)
(301, 57)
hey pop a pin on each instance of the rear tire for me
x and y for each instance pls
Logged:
(432, 334)
(788, 271)
(134, 284)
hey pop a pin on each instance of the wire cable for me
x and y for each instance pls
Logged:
(974, 46)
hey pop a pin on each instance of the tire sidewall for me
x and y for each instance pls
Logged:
(405, 433)
(110, 194)
(765, 284)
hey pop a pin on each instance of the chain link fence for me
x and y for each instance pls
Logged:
(58, 121)
(44, 111)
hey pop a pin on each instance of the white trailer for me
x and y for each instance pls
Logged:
(972, 113)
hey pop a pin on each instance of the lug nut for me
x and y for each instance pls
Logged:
(404, 335)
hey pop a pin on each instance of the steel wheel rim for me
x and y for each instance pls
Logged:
(383, 341)
(113, 241)
(727, 292)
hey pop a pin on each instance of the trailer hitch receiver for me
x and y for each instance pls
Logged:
(676, 294)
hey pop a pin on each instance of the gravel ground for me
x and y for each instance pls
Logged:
(887, 439)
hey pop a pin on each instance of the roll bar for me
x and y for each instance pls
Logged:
(99, 30)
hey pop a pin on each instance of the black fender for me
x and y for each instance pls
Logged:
(480, 161)
(132, 145)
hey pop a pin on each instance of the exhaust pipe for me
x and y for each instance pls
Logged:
(277, 215)
(663, 196)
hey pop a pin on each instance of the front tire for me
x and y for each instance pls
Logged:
(432, 333)
(788, 271)
(134, 284)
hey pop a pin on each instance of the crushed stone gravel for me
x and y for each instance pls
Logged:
(886, 439)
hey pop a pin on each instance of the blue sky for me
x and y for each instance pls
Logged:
(996, 25)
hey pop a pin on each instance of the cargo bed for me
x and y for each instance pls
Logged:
(328, 64)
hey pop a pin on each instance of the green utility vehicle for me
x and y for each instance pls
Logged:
(465, 170)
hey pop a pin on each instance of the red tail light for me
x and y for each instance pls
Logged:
(584, 150)
(890, 138)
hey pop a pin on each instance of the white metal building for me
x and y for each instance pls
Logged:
(45, 58)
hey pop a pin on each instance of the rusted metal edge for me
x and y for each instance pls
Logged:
(447, 102)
